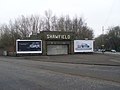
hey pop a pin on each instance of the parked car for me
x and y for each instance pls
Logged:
(103, 50)
(114, 51)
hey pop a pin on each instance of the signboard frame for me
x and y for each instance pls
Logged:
(27, 52)
(83, 46)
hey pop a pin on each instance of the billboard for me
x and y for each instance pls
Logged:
(28, 46)
(83, 45)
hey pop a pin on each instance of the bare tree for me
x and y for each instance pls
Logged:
(61, 24)
(68, 23)
(48, 16)
(5, 36)
(54, 23)
(23, 26)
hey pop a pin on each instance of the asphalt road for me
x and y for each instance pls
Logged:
(108, 59)
(22, 74)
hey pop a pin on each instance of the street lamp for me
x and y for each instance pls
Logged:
(103, 50)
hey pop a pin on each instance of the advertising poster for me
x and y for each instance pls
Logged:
(29, 46)
(83, 45)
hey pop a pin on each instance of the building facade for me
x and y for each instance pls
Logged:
(55, 42)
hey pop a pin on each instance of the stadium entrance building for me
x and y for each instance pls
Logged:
(56, 43)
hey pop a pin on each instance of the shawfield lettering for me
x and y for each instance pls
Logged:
(49, 36)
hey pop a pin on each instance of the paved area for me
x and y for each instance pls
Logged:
(26, 74)
(116, 53)
(90, 59)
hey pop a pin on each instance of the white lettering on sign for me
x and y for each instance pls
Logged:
(49, 36)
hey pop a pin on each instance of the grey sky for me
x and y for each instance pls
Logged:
(97, 13)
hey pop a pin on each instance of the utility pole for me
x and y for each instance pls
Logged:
(103, 35)
(103, 50)
(102, 30)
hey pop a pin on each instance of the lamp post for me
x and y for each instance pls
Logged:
(103, 50)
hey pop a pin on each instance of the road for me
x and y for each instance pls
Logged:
(22, 74)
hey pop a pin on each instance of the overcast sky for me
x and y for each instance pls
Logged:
(97, 13)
